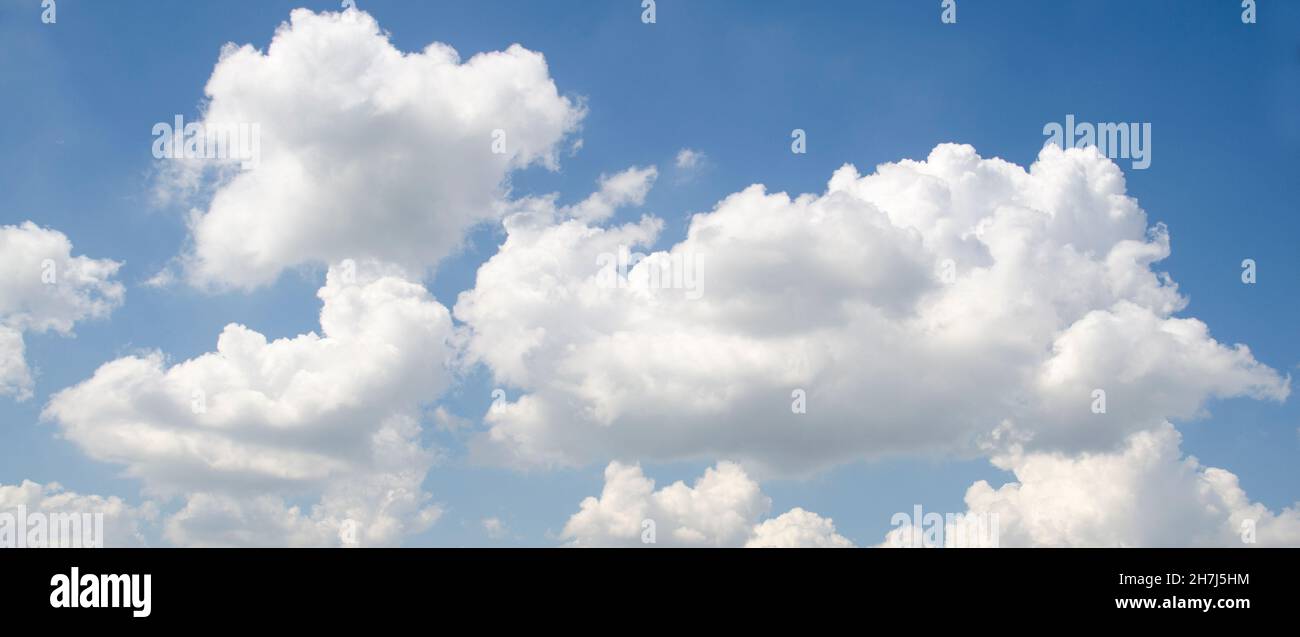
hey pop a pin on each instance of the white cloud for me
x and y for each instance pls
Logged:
(1150, 367)
(15, 378)
(722, 509)
(688, 159)
(124, 525)
(46, 289)
(798, 528)
(372, 154)
(377, 508)
(844, 295)
(241, 431)
(495, 528)
(365, 151)
(689, 164)
(622, 189)
(1146, 494)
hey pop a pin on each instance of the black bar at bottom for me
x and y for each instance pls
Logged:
(215, 587)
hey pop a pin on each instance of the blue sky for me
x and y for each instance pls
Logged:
(870, 82)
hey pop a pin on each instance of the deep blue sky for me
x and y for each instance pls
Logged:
(870, 82)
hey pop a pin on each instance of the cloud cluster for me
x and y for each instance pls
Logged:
(367, 155)
(1146, 494)
(365, 151)
(957, 305)
(124, 525)
(45, 289)
(722, 509)
(241, 432)
(921, 308)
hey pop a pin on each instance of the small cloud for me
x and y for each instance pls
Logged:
(163, 279)
(627, 188)
(689, 163)
(495, 528)
(689, 159)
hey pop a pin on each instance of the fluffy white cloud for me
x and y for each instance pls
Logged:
(243, 431)
(45, 289)
(1150, 367)
(375, 508)
(124, 525)
(923, 307)
(365, 154)
(1146, 494)
(365, 151)
(797, 528)
(957, 304)
(721, 509)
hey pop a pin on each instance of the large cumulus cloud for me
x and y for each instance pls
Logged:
(365, 151)
(373, 161)
(924, 307)
(957, 305)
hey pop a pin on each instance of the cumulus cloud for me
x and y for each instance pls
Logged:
(365, 151)
(246, 431)
(931, 306)
(1145, 494)
(376, 508)
(956, 305)
(124, 525)
(722, 509)
(46, 289)
(797, 528)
